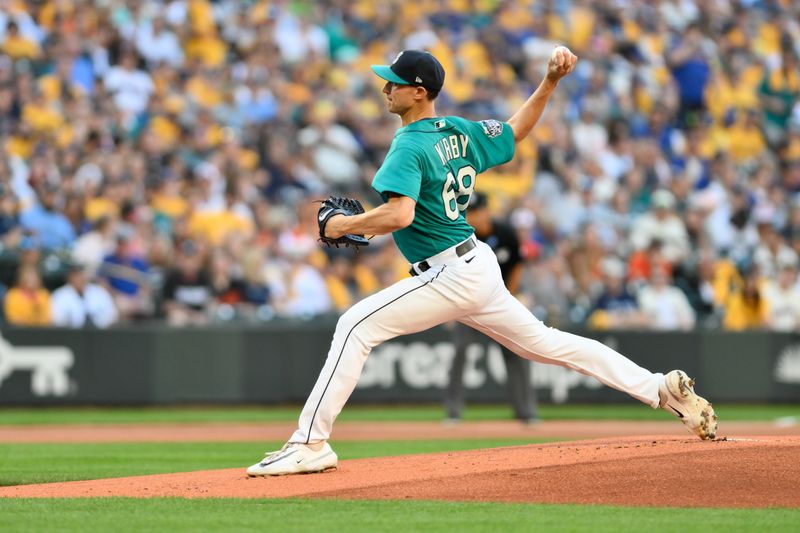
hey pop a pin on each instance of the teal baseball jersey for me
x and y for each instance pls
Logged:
(435, 161)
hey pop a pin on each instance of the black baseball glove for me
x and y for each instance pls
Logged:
(340, 206)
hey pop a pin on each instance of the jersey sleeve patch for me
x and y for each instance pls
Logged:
(492, 128)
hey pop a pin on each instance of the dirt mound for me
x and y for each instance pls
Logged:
(663, 471)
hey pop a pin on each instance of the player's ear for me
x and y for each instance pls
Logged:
(420, 93)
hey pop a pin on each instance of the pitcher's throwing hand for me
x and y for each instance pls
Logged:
(562, 61)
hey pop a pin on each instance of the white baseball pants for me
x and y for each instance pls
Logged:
(468, 289)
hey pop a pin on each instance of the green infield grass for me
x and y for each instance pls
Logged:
(25, 416)
(174, 515)
(46, 463)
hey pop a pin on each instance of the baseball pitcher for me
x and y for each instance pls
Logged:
(425, 182)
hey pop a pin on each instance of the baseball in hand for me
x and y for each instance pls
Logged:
(562, 62)
(560, 49)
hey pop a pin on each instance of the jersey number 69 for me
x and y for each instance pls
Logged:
(457, 190)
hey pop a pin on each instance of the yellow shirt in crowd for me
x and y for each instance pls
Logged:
(19, 47)
(100, 207)
(23, 308)
(20, 146)
(214, 226)
(42, 118)
(172, 206)
(741, 315)
(365, 280)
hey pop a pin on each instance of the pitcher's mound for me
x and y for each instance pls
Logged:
(660, 471)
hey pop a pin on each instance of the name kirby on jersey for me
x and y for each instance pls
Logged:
(451, 147)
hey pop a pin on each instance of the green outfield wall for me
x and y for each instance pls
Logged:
(278, 362)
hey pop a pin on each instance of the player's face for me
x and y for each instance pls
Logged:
(399, 98)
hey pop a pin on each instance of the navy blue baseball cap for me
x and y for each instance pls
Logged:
(413, 67)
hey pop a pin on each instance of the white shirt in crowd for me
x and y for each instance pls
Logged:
(131, 88)
(90, 249)
(667, 308)
(671, 231)
(296, 39)
(768, 263)
(335, 151)
(73, 310)
(590, 138)
(304, 294)
(783, 307)
(163, 46)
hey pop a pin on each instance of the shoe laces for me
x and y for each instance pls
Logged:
(267, 455)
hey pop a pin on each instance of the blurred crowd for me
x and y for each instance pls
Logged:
(161, 159)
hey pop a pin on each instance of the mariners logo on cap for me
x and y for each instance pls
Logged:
(413, 67)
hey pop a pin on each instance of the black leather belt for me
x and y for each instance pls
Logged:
(461, 249)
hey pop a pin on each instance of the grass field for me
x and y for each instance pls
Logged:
(18, 416)
(40, 463)
(167, 514)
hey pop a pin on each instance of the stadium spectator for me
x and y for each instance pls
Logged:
(158, 44)
(187, 292)
(689, 62)
(213, 223)
(302, 292)
(585, 260)
(589, 136)
(745, 306)
(615, 307)
(642, 263)
(95, 245)
(782, 295)
(664, 305)
(126, 273)
(664, 225)
(81, 304)
(771, 248)
(46, 222)
(256, 294)
(780, 92)
(348, 281)
(225, 278)
(546, 287)
(332, 147)
(18, 46)
(10, 228)
(700, 278)
(130, 86)
(27, 303)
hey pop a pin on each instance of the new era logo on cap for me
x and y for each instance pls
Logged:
(413, 67)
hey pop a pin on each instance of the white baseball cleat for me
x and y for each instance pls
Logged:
(295, 458)
(678, 397)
